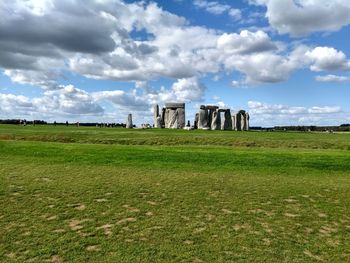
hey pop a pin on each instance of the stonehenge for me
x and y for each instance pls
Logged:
(171, 117)
(209, 117)
(240, 121)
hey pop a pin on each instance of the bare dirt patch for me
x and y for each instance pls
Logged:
(126, 220)
(56, 259)
(75, 224)
(81, 207)
(107, 229)
(93, 248)
(311, 255)
(101, 200)
(291, 215)
(131, 209)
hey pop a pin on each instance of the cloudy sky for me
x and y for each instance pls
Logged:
(285, 61)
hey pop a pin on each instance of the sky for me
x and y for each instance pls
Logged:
(286, 62)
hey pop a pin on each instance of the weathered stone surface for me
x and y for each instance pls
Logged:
(158, 122)
(227, 124)
(247, 118)
(173, 116)
(181, 118)
(163, 117)
(196, 118)
(156, 117)
(216, 120)
(234, 122)
(203, 119)
(175, 105)
(129, 124)
(238, 121)
(212, 107)
(243, 121)
(170, 119)
(155, 111)
(210, 116)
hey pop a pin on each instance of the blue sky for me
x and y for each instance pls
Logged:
(286, 62)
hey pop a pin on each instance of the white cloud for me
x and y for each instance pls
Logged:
(332, 78)
(216, 8)
(301, 18)
(99, 42)
(15, 104)
(43, 79)
(71, 102)
(245, 42)
(130, 101)
(188, 89)
(172, 47)
(280, 115)
(67, 101)
(328, 59)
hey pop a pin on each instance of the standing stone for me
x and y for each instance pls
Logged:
(222, 125)
(158, 123)
(156, 118)
(129, 122)
(171, 121)
(247, 118)
(203, 118)
(227, 125)
(234, 126)
(243, 121)
(216, 120)
(238, 121)
(163, 117)
(211, 109)
(174, 115)
(156, 111)
(196, 118)
(181, 118)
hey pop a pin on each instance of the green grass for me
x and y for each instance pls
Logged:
(116, 195)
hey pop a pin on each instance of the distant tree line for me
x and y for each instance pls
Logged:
(20, 122)
(343, 127)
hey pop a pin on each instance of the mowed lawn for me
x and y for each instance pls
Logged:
(70, 194)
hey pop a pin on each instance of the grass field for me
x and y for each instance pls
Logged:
(116, 195)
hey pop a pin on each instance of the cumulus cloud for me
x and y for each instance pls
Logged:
(129, 101)
(264, 108)
(188, 89)
(328, 59)
(216, 8)
(98, 41)
(245, 42)
(301, 18)
(66, 101)
(266, 67)
(332, 78)
(279, 114)
(137, 42)
(69, 101)
(15, 104)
